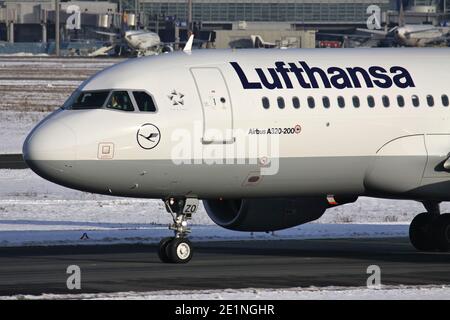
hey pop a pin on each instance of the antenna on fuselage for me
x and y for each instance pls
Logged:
(188, 46)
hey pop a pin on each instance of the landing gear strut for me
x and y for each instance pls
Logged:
(430, 230)
(178, 249)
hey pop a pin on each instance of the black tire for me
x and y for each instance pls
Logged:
(441, 232)
(162, 249)
(179, 250)
(420, 232)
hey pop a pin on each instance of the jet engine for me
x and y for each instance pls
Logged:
(167, 49)
(270, 214)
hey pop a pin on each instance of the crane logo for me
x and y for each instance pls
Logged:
(148, 136)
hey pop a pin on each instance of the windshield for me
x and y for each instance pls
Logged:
(120, 100)
(86, 100)
(144, 101)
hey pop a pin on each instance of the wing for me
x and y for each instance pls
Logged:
(113, 34)
(377, 32)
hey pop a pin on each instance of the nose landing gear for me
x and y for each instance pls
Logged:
(430, 230)
(178, 249)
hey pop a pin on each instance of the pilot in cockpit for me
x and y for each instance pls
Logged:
(115, 103)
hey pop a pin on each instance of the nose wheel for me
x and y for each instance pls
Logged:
(175, 250)
(178, 249)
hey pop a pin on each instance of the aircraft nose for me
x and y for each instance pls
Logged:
(49, 148)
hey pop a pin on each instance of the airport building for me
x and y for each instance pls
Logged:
(317, 13)
(299, 11)
(223, 13)
(33, 21)
(282, 21)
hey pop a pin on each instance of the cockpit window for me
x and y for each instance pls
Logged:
(144, 101)
(120, 100)
(86, 100)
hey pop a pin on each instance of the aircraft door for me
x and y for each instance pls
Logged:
(216, 105)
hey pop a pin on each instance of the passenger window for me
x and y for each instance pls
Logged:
(400, 101)
(120, 100)
(311, 102)
(370, 101)
(144, 101)
(356, 102)
(415, 101)
(280, 102)
(445, 101)
(296, 102)
(326, 102)
(265, 103)
(385, 100)
(430, 100)
(341, 102)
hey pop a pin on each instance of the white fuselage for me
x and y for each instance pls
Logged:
(211, 135)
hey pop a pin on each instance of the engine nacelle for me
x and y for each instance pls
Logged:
(269, 214)
(167, 49)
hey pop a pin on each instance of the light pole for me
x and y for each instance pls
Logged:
(189, 16)
(136, 13)
(57, 28)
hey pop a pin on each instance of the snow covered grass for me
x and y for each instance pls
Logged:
(43, 84)
(311, 293)
(24, 54)
(14, 128)
(34, 211)
(39, 233)
(53, 66)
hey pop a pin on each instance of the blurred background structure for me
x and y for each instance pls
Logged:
(86, 26)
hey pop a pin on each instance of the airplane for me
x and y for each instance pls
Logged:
(267, 139)
(142, 42)
(258, 42)
(254, 41)
(412, 35)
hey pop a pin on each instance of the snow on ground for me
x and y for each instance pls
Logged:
(43, 84)
(14, 128)
(311, 293)
(34, 211)
(37, 82)
(24, 54)
(42, 65)
(60, 233)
